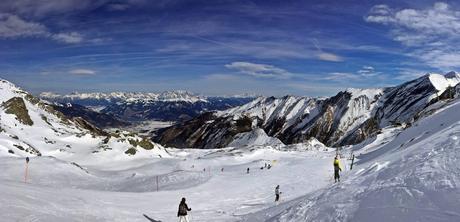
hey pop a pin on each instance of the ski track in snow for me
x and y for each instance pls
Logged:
(60, 191)
(401, 175)
(414, 177)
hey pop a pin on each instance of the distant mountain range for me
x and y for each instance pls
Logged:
(349, 117)
(132, 107)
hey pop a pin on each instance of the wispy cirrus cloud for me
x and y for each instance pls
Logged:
(82, 72)
(326, 56)
(70, 37)
(341, 76)
(259, 70)
(31, 8)
(13, 26)
(329, 57)
(363, 74)
(432, 33)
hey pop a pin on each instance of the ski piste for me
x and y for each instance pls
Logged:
(74, 169)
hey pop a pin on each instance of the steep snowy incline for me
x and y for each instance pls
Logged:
(441, 82)
(414, 177)
(256, 137)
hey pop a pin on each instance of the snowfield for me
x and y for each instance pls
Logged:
(414, 176)
(60, 191)
(407, 172)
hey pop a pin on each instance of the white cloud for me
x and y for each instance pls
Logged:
(329, 57)
(340, 76)
(12, 26)
(41, 8)
(71, 37)
(118, 7)
(259, 70)
(432, 33)
(325, 56)
(367, 71)
(361, 75)
(82, 72)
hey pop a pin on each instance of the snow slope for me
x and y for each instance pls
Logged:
(256, 137)
(60, 191)
(414, 176)
(404, 173)
(29, 127)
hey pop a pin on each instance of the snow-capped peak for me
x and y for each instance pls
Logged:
(441, 82)
(452, 74)
(179, 95)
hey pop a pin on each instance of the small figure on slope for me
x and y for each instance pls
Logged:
(277, 193)
(182, 212)
(337, 169)
(247, 171)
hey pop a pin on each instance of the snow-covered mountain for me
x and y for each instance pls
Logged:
(30, 127)
(349, 117)
(256, 137)
(171, 96)
(408, 171)
(165, 106)
(403, 174)
(99, 119)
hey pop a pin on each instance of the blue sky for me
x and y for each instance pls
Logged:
(223, 47)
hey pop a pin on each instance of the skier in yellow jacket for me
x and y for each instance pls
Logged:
(337, 168)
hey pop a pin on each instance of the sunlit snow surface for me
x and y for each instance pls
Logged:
(402, 175)
(410, 175)
(60, 191)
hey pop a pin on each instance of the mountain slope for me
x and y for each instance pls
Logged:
(30, 127)
(347, 118)
(413, 177)
(101, 120)
(165, 106)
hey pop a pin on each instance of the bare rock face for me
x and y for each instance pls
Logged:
(17, 107)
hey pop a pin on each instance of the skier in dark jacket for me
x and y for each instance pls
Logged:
(337, 168)
(183, 209)
(277, 193)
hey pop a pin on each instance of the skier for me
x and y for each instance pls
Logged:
(27, 170)
(247, 171)
(222, 169)
(182, 212)
(337, 168)
(277, 193)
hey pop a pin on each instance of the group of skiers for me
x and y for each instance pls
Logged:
(183, 208)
